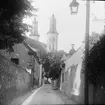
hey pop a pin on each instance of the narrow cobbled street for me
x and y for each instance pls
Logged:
(46, 96)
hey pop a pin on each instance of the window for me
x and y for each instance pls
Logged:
(66, 76)
(2, 44)
(15, 60)
(62, 77)
(50, 47)
(53, 40)
(50, 39)
(69, 71)
(53, 46)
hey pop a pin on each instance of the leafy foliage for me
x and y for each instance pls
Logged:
(96, 64)
(52, 64)
(11, 8)
(12, 30)
(45, 60)
(93, 39)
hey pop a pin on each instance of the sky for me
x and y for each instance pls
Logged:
(71, 28)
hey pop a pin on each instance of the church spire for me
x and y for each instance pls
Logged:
(52, 36)
(34, 31)
(52, 25)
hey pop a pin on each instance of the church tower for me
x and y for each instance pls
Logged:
(52, 36)
(34, 32)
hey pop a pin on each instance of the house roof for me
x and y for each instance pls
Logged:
(36, 45)
(43, 45)
(75, 58)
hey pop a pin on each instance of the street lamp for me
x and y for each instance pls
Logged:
(74, 7)
(86, 43)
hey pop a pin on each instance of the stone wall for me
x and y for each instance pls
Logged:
(13, 81)
(36, 72)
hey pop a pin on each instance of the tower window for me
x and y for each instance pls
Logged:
(53, 39)
(53, 46)
(49, 47)
(50, 39)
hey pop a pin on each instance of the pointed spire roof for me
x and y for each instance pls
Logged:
(53, 16)
(34, 31)
(52, 25)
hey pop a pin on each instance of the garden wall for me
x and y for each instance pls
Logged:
(14, 81)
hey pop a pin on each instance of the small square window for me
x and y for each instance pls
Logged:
(15, 60)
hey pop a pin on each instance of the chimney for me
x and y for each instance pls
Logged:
(72, 46)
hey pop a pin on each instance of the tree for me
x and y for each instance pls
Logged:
(96, 64)
(12, 30)
(45, 60)
(52, 64)
(93, 39)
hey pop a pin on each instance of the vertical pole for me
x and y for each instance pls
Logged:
(87, 50)
(61, 81)
(40, 78)
(104, 17)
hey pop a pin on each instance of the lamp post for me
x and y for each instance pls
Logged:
(74, 7)
(74, 4)
(104, 17)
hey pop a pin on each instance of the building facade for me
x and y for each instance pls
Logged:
(72, 79)
(22, 57)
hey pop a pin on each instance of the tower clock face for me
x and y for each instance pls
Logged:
(52, 40)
